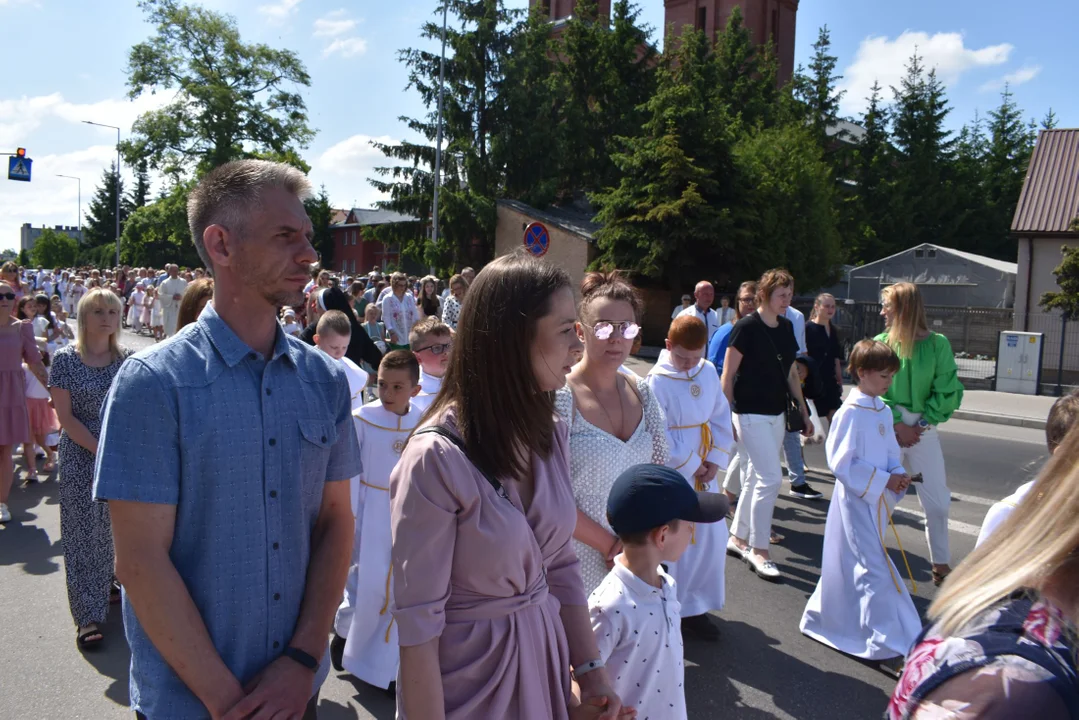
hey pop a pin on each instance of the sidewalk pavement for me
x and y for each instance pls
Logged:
(987, 406)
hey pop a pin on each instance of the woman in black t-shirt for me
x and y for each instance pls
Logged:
(758, 374)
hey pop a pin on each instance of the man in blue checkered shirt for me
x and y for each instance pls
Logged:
(233, 549)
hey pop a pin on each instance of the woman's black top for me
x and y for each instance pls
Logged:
(760, 387)
(430, 306)
(825, 349)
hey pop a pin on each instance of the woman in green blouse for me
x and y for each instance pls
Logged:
(925, 392)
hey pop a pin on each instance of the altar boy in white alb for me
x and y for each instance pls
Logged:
(332, 336)
(431, 340)
(700, 438)
(861, 605)
(365, 617)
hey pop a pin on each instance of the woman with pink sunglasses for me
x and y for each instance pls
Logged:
(614, 420)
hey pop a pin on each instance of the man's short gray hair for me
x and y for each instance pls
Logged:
(231, 193)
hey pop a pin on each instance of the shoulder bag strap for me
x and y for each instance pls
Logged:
(779, 358)
(443, 431)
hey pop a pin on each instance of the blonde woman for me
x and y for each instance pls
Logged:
(925, 393)
(1003, 643)
(79, 380)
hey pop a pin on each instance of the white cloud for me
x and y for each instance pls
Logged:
(346, 47)
(882, 60)
(345, 168)
(42, 123)
(334, 24)
(279, 11)
(20, 117)
(1023, 75)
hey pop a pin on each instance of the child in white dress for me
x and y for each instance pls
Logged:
(364, 619)
(700, 436)
(332, 336)
(861, 605)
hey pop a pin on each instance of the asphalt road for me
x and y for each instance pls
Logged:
(762, 667)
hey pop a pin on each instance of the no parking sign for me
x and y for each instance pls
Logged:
(537, 239)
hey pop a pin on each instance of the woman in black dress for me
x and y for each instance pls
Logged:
(822, 344)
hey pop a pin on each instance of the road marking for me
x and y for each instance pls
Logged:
(954, 525)
(973, 499)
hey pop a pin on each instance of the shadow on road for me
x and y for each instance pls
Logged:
(372, 699)
(716, 685)
(23, 542)
(113, 659)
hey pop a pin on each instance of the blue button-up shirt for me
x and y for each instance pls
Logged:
(242, 446)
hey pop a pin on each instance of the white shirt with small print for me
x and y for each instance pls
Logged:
(639, 632)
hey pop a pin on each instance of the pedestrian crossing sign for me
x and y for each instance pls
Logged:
(18, 168)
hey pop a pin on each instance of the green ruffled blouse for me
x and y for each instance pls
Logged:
(928, 382)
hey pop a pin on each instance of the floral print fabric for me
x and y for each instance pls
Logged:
(1016, 659)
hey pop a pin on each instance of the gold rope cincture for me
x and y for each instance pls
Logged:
(898, 542)
(705, 447)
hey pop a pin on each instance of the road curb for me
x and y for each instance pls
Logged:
(999, 419)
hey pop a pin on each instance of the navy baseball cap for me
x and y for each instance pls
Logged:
(645, 497)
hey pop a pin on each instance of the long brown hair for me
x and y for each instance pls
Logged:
(909, 320)
(502, 413)
(189, 303)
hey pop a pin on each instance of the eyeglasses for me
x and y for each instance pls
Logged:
(436, 349)
(7, 296)
(747, 300)
(604, 330)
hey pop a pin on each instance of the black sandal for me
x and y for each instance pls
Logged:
(87, 639)
(939, 578)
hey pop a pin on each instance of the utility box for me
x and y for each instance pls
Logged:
(1019, 362)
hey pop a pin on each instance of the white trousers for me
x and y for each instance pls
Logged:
(732, 483)
(927, 458)
(762, 438)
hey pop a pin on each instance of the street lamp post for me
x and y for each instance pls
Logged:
(438, 141)
(79, 180)
(117, 184)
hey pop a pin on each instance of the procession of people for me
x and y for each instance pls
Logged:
(459, 493)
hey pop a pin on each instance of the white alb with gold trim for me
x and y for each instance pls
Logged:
(357, 381)
(861, 605)
(698, 429)
(371, 651)
(429, 387)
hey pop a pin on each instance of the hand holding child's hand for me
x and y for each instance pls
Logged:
(593, 707)
(898, 483)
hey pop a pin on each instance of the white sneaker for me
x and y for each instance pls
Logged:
(734, 551)
(765, 569)
(5, 514)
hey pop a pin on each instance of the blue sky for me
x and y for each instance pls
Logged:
(63, 61)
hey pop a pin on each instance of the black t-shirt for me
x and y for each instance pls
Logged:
(760, 387)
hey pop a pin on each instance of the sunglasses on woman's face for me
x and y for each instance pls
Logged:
(604, 330)
(7, 296)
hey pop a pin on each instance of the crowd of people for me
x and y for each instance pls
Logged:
(459, 492)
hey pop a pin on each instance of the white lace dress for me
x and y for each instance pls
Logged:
(597, 458)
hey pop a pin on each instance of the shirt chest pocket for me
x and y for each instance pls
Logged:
(317, 438)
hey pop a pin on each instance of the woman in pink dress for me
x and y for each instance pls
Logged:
(488, 598)
(17, 344)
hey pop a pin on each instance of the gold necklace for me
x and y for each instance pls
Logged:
(621, 407)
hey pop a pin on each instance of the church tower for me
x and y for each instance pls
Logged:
(763, 18)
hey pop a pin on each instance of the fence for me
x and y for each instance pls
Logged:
(974, 334)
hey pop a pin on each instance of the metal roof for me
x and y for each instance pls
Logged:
(362, 217)
(1001, 265)
(577, 222)
(1049, 202)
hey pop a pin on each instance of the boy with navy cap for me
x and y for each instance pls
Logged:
(635, 610)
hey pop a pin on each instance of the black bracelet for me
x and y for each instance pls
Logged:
(297, 655)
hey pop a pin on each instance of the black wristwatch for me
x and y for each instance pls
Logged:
(297, 655)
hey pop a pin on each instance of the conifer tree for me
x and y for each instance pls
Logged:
(100, 225)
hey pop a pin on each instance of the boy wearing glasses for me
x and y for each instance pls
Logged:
(431, 341)
(365, 638)
(700, 438)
